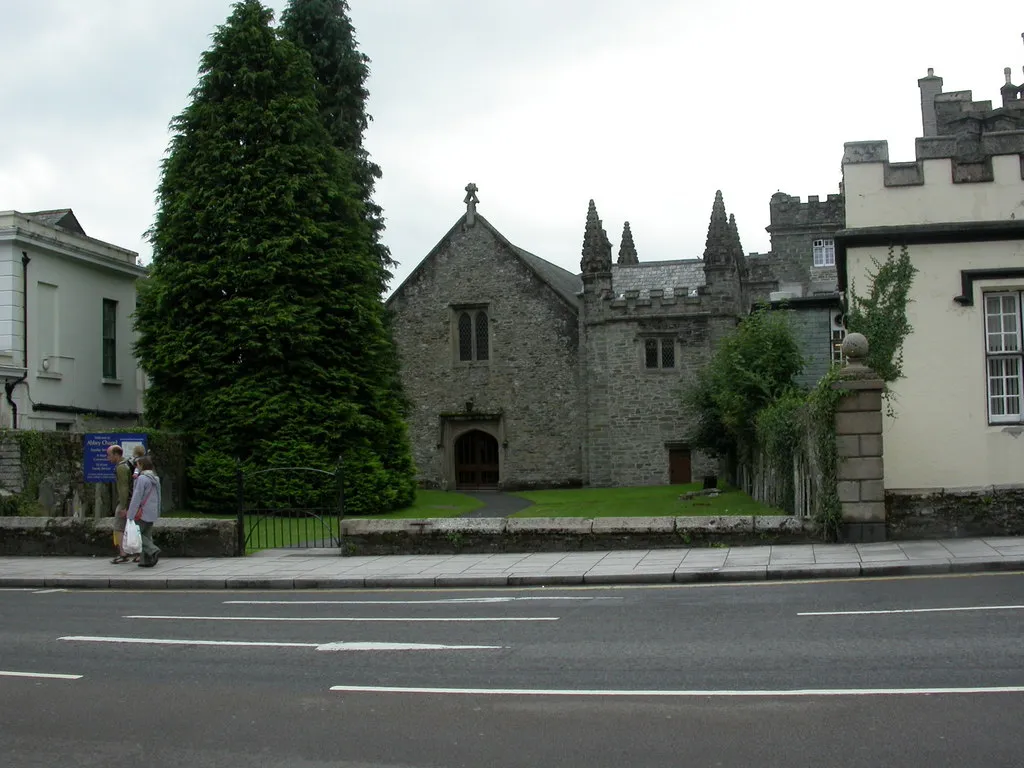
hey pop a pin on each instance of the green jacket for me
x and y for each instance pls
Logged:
(123, 485)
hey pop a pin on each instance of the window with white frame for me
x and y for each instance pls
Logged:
(824, 251)
(1003, 358)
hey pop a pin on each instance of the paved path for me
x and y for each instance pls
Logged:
(497, 504)
(312, 569)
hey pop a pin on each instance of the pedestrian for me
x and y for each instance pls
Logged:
(122, 497)
(145, 509)
(137, 453)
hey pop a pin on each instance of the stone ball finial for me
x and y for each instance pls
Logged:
(855, 349)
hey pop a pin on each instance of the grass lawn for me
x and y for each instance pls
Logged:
(644, 501)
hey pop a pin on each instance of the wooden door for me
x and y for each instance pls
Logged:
(476, 461)
(679, 471)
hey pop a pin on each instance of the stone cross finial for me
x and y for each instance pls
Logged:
(471, 201)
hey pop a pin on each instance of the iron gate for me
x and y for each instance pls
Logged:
(289, 507)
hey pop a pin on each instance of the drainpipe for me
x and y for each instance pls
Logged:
(10, 385)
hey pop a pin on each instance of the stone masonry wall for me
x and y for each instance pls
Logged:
(530, 378)
(794, 227)
(984, 512)
(633, 413)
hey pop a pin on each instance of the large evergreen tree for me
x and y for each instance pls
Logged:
(261, 325)
(324, 30)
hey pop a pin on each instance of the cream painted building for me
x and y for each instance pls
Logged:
(959, 209)
(66, 305)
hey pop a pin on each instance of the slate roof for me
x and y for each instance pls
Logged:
(59, 217)
(666, 275)
(562, 281)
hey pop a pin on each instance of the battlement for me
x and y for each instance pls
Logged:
(967, 159)
(683, 301)
(789, 212)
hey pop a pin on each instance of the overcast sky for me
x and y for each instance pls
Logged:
(647, 106)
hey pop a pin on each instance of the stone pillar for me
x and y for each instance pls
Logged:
(860, 468)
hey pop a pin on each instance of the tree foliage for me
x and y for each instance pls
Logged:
(753, 367)
(324, 30)
(261, 326)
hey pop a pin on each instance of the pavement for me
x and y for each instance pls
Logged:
(924, 672)
(326, 569)
(497, 504)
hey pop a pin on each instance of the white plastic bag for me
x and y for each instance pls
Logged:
(131, 542)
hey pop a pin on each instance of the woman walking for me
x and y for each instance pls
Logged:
(145, 509)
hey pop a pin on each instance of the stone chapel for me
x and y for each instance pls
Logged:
(524, 375)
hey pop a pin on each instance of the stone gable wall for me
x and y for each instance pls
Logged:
(530, 380)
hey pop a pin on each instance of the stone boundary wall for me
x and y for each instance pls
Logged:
(567, 534)
(990, 511)
(184, 537)
(199, 537)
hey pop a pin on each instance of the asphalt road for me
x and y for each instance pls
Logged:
(921, 673)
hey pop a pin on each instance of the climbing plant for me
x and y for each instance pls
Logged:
(881, 315)
(749, 408)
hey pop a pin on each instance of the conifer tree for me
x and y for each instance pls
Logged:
(323, 28)
(261, 323)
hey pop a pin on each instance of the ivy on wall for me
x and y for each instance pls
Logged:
(881, 316)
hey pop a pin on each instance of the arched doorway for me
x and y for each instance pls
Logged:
(476, 461)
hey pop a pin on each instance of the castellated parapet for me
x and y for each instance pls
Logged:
(956, 128)
(944, 159)
(789, 212)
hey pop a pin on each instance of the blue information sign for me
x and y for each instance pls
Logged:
(97, 468)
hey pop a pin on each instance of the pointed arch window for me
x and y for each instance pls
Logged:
(483, 347)
(473, 334)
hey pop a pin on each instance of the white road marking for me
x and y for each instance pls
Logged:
(48, 591)
(336, 646)
(40, 675)
(347, 618)
(404, 647)
(915, 610)
(161, 641)
(681, 694)
(450, 601)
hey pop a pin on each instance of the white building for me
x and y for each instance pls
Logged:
(959, 210)
(66, 305)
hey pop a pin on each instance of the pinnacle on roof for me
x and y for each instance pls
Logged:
(597, 248)
(738, 253)
(627, 251)
(719, 249)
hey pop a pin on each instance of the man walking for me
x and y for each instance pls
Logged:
(145, 509)
(122, 496)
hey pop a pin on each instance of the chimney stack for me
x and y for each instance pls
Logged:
(931, 86)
